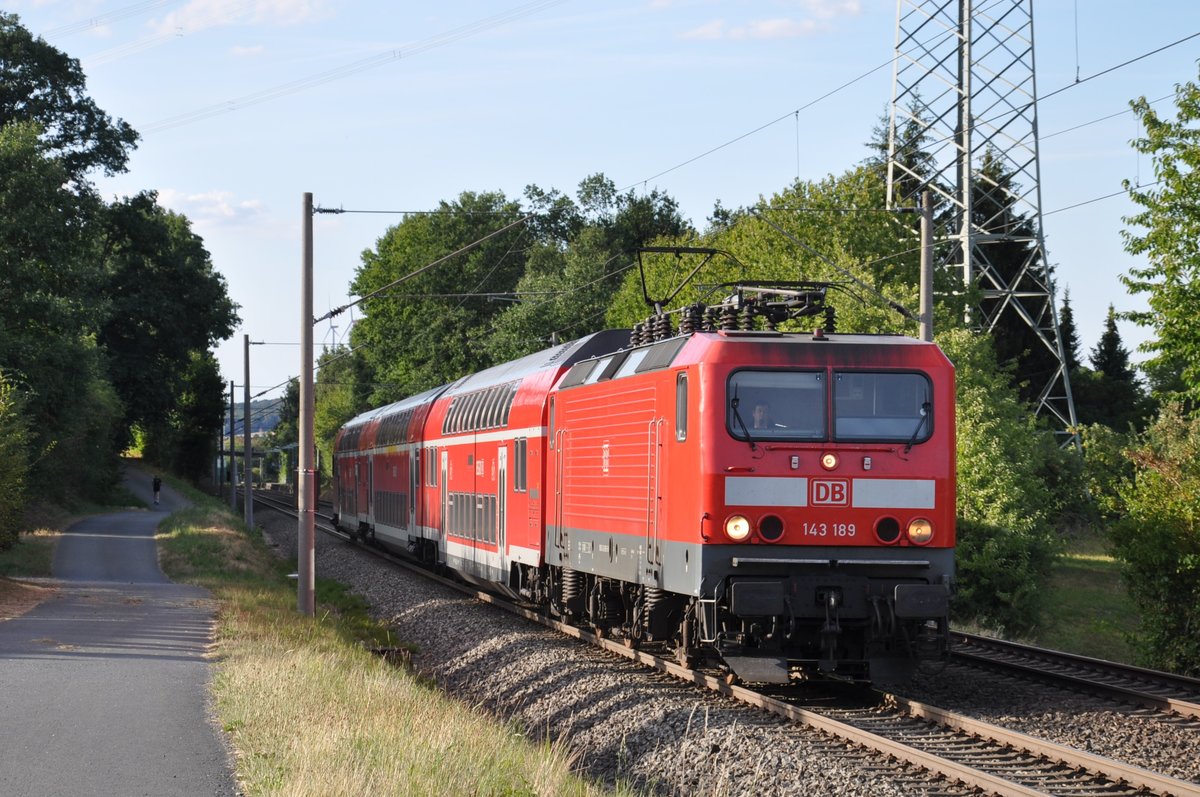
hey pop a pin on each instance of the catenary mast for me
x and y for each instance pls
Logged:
(965, 93)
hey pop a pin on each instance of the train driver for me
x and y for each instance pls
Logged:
(762, 415)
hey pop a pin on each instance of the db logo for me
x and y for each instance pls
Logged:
(830, 492)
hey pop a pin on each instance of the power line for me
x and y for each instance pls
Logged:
(353, 68)
(339, 310)
(438, 212)
(100, 20)
(1121, 65)
(762, 127)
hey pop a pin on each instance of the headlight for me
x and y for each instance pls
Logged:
(920, 531)
(737, 528)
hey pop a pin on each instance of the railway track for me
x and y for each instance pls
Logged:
(1165, 692)
(963, 753)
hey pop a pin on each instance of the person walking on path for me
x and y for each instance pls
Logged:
(157, 487)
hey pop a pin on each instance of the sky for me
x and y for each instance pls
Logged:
(245, 105)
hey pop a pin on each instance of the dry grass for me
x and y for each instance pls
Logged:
(311, 712)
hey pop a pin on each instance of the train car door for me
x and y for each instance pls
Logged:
(501, 500)
(654, 455)
(371, 489)
(414, 482)
(444, 521)
(475, 506)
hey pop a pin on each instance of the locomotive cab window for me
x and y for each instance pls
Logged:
(776, 405)
(885, 407)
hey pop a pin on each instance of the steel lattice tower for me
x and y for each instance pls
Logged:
(964, 126)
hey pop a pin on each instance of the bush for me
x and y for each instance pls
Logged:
(14, 464)
(1006, 509)
(1000, 576)
(1106, 468)
(1159, 541)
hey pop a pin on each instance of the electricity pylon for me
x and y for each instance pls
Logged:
(963, 124)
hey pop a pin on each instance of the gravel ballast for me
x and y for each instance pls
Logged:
(626, 723)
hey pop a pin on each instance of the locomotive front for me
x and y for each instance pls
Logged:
(827, 488)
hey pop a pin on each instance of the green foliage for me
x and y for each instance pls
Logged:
(999, 577)
(187, 438)
(1110, 392)
(104, 304)
(1107, 471)
(41, 84)
(1006, 508)
(338, 395)
(14, 465)
(1170, 221)
(1070, 336)
(405, 332)
(1159, 540)
(167, 302)
(823, 239)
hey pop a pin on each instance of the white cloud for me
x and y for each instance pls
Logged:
(212, 208)
(200, 14)
(774, 29)
(709, 30)
(247, 51)
(828, 9)
(807, 17)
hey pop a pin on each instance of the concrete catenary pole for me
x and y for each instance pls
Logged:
(232, 453)
(306, 531)
(926, 266)
(247, 444)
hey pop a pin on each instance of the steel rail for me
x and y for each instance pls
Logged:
(1086, 673)
(1110, 768)
(949, 769)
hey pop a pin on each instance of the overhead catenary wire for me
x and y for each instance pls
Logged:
(353, 68)
(339, 310)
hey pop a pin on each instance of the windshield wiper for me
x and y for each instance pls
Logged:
(925, 407)
(737, 416)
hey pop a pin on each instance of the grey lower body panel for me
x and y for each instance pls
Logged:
(699, 570)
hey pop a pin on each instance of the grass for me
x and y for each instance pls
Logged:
(310, 711)
(1088, 609)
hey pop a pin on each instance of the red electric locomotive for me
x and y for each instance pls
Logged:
(780, 503)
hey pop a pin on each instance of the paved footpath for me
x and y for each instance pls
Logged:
(104, 686)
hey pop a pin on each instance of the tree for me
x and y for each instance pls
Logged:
(405, 332)
(197, 415)
(1169, 237)
(166, 304)
(1070, 336)
(49, 286)
(14, 463)
(820, 241)
(106, 307)
(41, 84)
(1158, 540)
(1006, 509)
(1109, 356)
(1110, 393)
